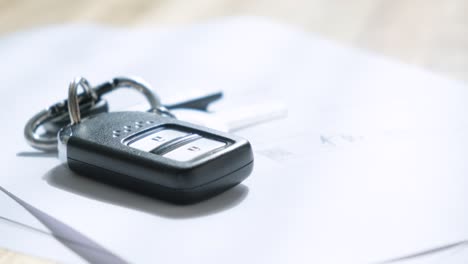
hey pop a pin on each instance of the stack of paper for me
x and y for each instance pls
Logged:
(369, 165)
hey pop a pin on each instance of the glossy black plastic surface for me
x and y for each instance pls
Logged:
(95, 151)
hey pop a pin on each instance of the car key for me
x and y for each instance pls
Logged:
(159, 156)
(150, 152)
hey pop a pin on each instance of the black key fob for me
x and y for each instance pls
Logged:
(158, 156)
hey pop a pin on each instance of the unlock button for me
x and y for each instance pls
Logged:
(195, 149)
(157, 139)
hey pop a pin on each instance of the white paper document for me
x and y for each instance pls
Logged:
(369, 165)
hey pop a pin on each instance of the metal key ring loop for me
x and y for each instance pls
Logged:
(73, 99)
(145, 89)
(87, 100)
(116, 83)
(48, 142)
(36, 141)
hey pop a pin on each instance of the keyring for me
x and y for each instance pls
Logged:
(46, 142)
(73, 99)
(144, 88)
(87, 100)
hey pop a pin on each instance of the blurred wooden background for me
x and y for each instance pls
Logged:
(432, 34)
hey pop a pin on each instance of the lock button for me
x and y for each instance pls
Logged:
(195, 149)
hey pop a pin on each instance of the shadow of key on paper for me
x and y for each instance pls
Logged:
(62, 178)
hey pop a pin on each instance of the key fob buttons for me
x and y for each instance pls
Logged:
(174, 144)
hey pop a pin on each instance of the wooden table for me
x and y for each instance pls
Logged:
(431, 34)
